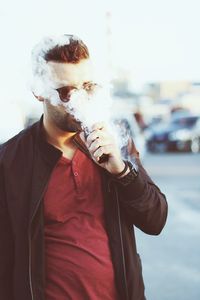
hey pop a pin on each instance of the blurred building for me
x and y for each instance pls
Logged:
(173, 89)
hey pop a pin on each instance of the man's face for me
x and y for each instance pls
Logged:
(69, 75)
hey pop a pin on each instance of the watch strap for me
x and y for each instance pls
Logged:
(132, 175)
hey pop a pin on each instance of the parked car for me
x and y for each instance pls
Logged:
(182, 133)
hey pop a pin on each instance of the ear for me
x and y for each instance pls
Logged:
(41, 99)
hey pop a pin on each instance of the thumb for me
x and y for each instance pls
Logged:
(82, 136)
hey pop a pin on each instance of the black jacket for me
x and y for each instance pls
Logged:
(26, 163)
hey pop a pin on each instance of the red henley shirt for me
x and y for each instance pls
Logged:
(77, 255)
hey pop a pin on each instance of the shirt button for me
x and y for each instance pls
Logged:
(75, 174)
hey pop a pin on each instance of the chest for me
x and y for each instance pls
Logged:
(75, 187)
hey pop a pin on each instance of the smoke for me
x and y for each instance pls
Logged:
(42, 83)
(86, 107)
(93, 108)
(90, 108)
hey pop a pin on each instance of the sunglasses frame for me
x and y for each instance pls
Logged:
(65, 92)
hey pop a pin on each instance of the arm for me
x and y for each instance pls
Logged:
(6, 246)
(141, 200)
(144, 204)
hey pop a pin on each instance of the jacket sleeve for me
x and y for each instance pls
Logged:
(6, 247)
(144, 204)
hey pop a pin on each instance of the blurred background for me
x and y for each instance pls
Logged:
(149, 52)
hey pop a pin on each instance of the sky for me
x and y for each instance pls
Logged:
(152, 40)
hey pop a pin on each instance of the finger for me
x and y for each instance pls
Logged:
(102, 150)
(99, 125)
(97, 134)
(98, 143)
(82, 136)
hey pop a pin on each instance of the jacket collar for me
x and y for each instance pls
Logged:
(50, 153)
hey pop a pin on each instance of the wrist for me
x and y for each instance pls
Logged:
(129, 176)
(124, 170)
(126, 173)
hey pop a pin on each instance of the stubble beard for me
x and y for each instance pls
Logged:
(67, 123)
(62, 119)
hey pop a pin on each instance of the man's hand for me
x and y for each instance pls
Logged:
(100, 142)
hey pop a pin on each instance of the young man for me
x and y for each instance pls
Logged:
(67, 220)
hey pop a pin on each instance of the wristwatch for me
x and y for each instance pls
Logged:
(132, 175)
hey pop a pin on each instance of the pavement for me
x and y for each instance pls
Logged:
(171, 261)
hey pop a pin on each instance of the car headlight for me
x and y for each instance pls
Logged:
(181, 135)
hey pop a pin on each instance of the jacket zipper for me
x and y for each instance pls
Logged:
(30, 277)
(122, 246)
(29, 238)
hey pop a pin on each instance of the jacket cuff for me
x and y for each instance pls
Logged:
(131, 185)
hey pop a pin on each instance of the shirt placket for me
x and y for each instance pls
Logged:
(76, 175)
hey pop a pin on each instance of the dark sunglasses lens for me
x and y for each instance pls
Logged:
(65, 93)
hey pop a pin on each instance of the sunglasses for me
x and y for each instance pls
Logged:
(65, 92)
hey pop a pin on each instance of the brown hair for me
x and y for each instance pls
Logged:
(72, 52)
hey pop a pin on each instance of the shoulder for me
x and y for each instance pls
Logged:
(17, 142)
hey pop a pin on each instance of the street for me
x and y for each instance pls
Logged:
(171, 261)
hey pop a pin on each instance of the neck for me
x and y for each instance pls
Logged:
(57, 137)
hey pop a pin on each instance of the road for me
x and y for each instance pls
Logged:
(171, 261)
